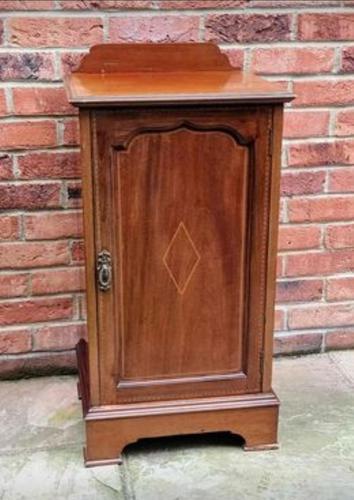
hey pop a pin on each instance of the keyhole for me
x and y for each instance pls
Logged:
(105, 275)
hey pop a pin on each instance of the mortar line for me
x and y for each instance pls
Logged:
(36, 326)
(151, 12)
(281, 44)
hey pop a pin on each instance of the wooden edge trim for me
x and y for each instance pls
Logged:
(163, 99)
(183, 406)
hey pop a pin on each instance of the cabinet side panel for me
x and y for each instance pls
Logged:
(89, 235)
(275, 145)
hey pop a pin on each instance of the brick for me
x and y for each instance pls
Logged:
(15, 341)
(323, 93)
(70, 61)
(49, 165)
(83, 308)
(3, 105)
(55, 32)
(105, 4)
(200, 4)
(30, 254)
(280, 261)
(279, 319)
(14, 285)
(341, 180)
(9, 227)
(299, 124)
(52, 363)
(326, 26)
(74, 194)
(7, 5)
(332, 208)
(321, 153)
(77, 252)
(53, 225)
(348, 60)
(304, 343)
(319, 263)
(71, 133)
(340, 289)
(299, 290)
(298, 237)
(250, 28)
(154, 29)
(340, 236)
(35, 66)
(6, 167)
(345, 122)
(41, 101)
(29, 196)
(27, 134)
(339, 339)
(58, 338)
(57, 281)
(302, 183)
(294, 60)
(236, 57)
(35, 310)
(323, 315)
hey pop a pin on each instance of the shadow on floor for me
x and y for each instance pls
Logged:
(189, 441)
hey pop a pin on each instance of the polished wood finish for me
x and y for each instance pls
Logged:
(184, 202)
(160, 74)
(254, 418)
(147, 57)
(195, 248)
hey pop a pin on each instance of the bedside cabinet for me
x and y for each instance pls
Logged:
(181, 164)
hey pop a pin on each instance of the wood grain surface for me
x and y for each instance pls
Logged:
(181, 164)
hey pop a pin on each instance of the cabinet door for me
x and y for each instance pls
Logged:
(181, 205)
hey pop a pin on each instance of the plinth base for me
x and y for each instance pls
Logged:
(109, 429)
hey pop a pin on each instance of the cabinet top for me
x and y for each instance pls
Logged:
(179, 73)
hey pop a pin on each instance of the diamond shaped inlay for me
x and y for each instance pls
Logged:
(181, 258)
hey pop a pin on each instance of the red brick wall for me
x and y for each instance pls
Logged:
(307, 44)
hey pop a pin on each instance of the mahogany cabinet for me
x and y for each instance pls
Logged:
(180, 157)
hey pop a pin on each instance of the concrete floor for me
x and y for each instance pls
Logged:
(41, 436)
